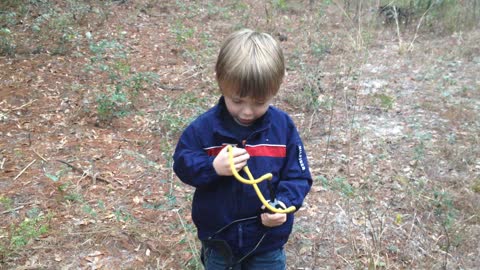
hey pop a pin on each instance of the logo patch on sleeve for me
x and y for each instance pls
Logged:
(300, 158)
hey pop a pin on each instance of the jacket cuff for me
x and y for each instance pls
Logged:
(211, 170)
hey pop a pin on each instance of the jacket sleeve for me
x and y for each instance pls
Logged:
(295, 179)
(190, 161)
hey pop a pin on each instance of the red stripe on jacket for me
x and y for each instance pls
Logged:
(260, 150)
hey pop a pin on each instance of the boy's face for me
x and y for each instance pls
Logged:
(245, 110)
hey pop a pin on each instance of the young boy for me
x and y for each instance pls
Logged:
(235, 230)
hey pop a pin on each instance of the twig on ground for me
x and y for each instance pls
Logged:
(24, 169)
(23, 106)
(118, 181)
(90, 232)
(171, 88)
(30, 267)
(413, 225)
(13, 209)
(92, 176)
(310, 125)
(345, 260)
(3, 162)
(39, 155)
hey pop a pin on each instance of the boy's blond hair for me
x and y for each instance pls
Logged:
(250, 64)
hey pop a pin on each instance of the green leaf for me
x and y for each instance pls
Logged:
(398, 219)
(53, 177)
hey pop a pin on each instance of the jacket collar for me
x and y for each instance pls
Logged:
(222, 116)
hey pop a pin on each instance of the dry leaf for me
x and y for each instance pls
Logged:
(137, 200)
(58, 257)
(95, 254)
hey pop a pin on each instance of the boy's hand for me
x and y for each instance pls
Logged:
(221, 162)
(273, 219)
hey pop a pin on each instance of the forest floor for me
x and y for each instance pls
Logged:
(89, 118)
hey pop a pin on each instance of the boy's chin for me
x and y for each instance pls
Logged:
(245, 123)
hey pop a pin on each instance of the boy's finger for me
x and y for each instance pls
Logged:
(242, 158)
(239, 151)
(275, 219)
(241, 164)
(238, 167)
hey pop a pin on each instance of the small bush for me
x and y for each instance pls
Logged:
(7, 44)
(112, 104)
(28, 229)
(118, 93)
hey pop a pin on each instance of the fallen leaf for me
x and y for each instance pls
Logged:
(57, 258)
(137, 200)
(95, 254)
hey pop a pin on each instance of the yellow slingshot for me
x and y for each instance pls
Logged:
(252, 181)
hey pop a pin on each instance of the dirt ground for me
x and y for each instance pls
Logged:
(390, 121)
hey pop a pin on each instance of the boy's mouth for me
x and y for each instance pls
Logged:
(244, 122)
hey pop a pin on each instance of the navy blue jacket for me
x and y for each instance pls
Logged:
(274, 146)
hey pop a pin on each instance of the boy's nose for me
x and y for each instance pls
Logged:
(247, 110)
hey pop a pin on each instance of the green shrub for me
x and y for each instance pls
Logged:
(117, 96)
(182, 33)
(112, 104)
(7, 44)
(28, 229)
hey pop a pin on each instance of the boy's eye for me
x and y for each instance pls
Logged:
(260, 102)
